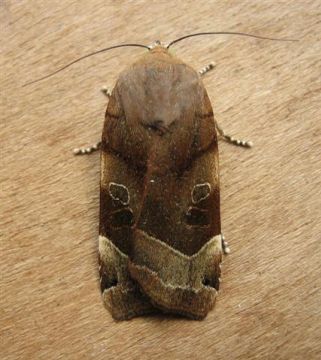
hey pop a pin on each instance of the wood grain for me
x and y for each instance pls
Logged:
(270, 92)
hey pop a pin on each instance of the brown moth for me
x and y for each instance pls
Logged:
(160, 240)
(160, 228)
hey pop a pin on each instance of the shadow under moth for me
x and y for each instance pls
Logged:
(160, 239)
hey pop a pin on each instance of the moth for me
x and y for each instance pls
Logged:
(160, 238)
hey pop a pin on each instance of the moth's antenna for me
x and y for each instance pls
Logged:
(81, 58)
(226, 33)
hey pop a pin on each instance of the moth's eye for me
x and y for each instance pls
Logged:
(119, 192)
(197, 217)
(200, 192)
(121, 218)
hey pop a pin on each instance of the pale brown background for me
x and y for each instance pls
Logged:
(270, 304)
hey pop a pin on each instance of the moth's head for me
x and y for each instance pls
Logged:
(157, 44)
(158, 47)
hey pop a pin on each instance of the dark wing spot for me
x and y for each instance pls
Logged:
(107, 282)
(212, 282)
(121, 218)
(201, 192)
(119, 192)
(197, 217)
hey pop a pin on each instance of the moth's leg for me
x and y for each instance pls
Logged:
(87, 150)
(225, 247)
(231, 139)
(228, 138)
(105, 90)
(207, 68)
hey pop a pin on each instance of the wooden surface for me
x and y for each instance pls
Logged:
(269, 305)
